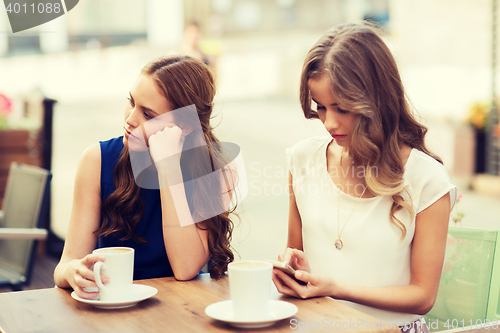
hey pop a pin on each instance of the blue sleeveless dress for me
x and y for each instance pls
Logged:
(150, 259)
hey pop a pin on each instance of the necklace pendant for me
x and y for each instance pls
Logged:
(338, 244)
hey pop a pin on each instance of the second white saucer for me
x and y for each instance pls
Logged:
(278, 310)
(139, 293)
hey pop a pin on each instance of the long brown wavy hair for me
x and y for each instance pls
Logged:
(365, 80)
(184, 81)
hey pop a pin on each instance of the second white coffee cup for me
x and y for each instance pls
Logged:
(119, 267)
(250, 288)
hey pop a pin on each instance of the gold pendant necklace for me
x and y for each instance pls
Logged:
(338, 243)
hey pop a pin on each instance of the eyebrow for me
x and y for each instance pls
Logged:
(334, 104)
(143, 108)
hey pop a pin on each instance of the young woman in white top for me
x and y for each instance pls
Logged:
(369, 204)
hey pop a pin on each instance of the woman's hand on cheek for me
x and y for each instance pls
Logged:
(317, 285)
(165, 143)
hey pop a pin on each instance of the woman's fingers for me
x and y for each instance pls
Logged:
(281, 286)
(299, 261)
(295, 258)
(84, 294)
(288, 256)
(84, 276)
(166, 142)
(305, 277)
(85, 283)
(91, 259)
(298, 254)
(290, 285)
(88, 261)
(85, 272)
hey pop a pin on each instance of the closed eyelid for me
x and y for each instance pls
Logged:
(150, 112)
(145, 110)
(317, 104)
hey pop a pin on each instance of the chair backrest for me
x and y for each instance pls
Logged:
(493, 311)
(469, 286)
(25, 201)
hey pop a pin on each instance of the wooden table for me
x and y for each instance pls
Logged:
(178, 307)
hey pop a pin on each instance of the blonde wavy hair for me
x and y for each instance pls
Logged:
(365, 80)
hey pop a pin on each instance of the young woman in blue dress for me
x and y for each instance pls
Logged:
(369, 203)
(110, 209)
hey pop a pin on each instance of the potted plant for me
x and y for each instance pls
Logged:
(5, 111)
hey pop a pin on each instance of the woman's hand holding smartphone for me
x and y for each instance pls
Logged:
(285, 268)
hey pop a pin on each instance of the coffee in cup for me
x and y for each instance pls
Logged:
(250, 289)
(119, 267)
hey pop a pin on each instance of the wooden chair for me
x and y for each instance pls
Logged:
(469, 290)
(21, 218)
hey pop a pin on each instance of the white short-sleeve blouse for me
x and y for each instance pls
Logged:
(373, 254)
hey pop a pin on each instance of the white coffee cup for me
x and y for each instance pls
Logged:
(250, 288)
(119, 267)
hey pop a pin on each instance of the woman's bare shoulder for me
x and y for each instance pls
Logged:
(90, 162)
(93, 151)
(92, 154)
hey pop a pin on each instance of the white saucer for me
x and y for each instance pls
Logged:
(139, 293)
(278, 310)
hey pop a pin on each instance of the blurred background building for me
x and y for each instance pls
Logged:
(120, 22)
(88, 59)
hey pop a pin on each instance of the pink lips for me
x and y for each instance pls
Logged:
(128, 134)
(337, 136)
